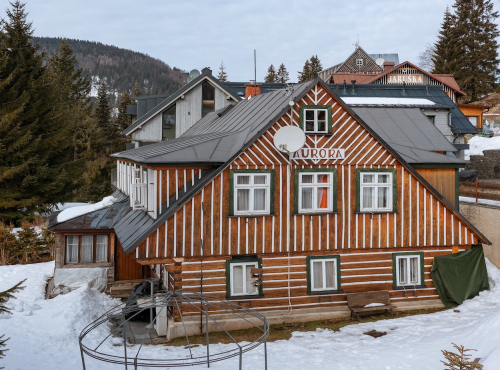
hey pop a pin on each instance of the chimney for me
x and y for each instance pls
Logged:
(252, 89)
(207, 70)
(388, 65)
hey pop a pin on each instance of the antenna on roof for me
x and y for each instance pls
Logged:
(255, 70)
(357, 42)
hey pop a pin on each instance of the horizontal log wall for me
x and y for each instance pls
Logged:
(360, 271)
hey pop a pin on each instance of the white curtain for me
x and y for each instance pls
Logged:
(367, 197)
(250, 288)
(242, 199)
(403, 280)
(383, 197)
(237, 279)
(414, 270)
(307, 198)
(317, 275)
(72, 249)
(87, 248)
(368, 179)
(259, 200)
(259, 179)
(330, 274)
(102, 248)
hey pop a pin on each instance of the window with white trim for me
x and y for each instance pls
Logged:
(376, 192)
(139, 191)
(315, 192)
(241, 282)
(251, 193)
(408, 269)
(359, 62)
(315, 121)
(323, 273)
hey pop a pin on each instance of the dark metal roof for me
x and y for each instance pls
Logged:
(205, 75)
(100, 219)
(410, 133)
(219, 135)
(459, 123)
(239, 88)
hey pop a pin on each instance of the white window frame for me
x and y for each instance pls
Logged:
(231, 273)
(139, 189)
(315, 185)
(376, 185)
(311, 274)
(315, 110)
(408, 257)
(359, 62)
(252, 187)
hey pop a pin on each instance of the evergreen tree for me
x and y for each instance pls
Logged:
(467, 47)
(282, 74)
(34, 139)
(306, 72)
(123, 119)
(315, 67)
(103, 113)
(4, 297)
(136, 91)
(222, 74)
(271, 75)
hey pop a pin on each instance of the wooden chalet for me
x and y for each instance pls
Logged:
(220, 210)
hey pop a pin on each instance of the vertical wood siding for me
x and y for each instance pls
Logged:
(203, 227)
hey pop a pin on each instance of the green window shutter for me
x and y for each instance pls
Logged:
(394, 185)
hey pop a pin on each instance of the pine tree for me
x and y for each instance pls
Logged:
(222, 74)
(4, 297)
(271, 76)
(282, 74)
(315, 67)
(103, 113)
(123, 119)
(467, 47)
(136, 91)
(35, 142)
(306, 72)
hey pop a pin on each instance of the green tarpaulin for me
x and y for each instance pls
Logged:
(460, 276)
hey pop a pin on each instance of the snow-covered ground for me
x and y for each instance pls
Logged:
(44, 333)
(477, 144)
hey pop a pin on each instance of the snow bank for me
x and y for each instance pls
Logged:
(69, 279)
(478, 144)
(481, 201)
(73, 212)
(44, 334)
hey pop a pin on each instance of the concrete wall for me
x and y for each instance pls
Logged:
(485, 219)
(488, 164)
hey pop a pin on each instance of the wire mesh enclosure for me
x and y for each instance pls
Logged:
(101, 338)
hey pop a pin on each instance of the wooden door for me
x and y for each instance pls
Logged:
(126, 267)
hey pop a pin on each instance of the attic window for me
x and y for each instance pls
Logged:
(208, 97)
(359, 62)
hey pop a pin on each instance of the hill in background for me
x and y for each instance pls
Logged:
(120, 68)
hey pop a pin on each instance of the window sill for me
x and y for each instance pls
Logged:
(238, 297)
(318, 133)
(317, 213)
(252, 216)
(375, 212)
(87, 264)
(409, 287)
(325, 292)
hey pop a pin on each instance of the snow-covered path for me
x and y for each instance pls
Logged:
(44, 333)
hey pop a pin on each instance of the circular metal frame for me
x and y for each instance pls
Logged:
(208, 307)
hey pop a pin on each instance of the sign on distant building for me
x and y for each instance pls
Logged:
(409, 79)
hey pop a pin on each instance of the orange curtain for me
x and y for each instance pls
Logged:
(324, 198)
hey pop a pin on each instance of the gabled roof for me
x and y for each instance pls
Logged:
(446, 80)
(459, 123)
(350, 62)
(219, 135)
(206, 75)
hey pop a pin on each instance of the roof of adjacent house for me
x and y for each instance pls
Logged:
(219, 135)
(410, 133)
(206, 74)
(459, 123)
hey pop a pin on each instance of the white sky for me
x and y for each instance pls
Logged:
(193, 34)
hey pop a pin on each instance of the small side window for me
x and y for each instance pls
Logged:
(408, 269)
(359, 62)
(316, 119)
(323, 274)
(240, 281)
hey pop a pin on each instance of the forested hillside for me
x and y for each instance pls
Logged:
(119, 67)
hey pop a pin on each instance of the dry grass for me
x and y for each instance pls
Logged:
(284, 331)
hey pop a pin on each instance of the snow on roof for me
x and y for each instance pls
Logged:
(477, 144)
(386, 101)
(73, 212)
